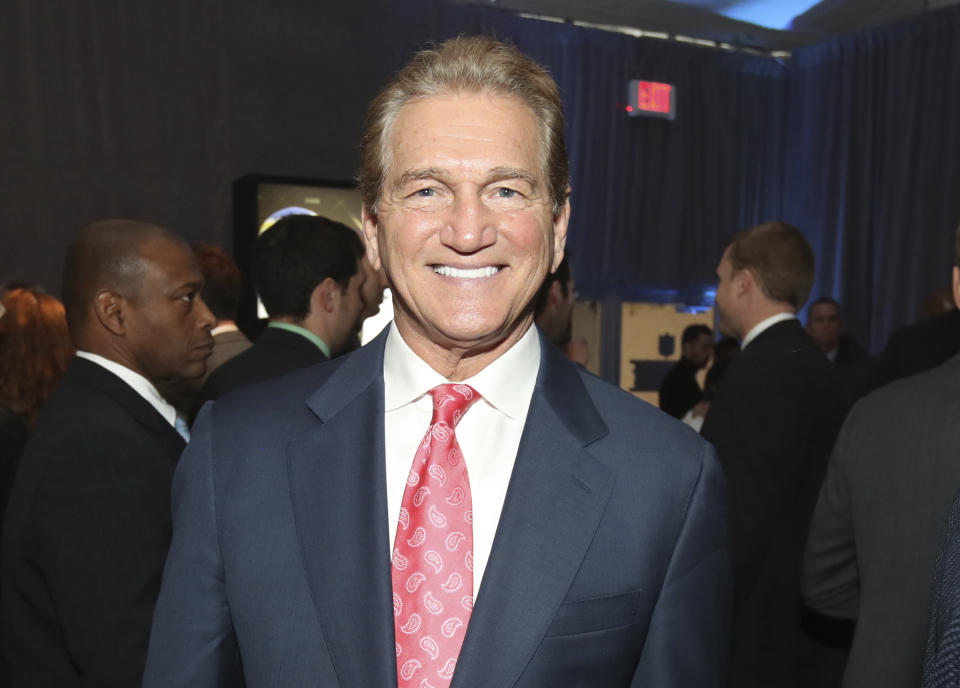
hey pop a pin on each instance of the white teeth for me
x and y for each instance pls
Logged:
(461, 273)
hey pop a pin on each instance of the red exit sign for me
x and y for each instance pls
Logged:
(651, 99)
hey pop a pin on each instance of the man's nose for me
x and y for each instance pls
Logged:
(206, 318)
(469, 225)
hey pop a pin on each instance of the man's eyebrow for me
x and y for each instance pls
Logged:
(494, 175)
(418, 175)
(502, 173)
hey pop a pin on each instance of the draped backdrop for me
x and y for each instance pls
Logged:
(151, 109)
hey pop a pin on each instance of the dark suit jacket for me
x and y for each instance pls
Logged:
(609, 567)
(680, 391)
(86, 535)
(941, 667)
(226, 345)
(879, 520)
(858, 370)
(275, 353)
(773, 421)
(919, 347)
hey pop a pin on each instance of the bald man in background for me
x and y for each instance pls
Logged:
(88, 526)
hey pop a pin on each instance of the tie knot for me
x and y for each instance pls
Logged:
(451, 401)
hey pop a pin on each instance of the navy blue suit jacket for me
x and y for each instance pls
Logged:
(610, 564)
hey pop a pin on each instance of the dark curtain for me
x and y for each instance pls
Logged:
(151, 109)
(873, 166)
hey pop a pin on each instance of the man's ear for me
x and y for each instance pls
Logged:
(560, 223)
(956, 286)
(110, 308)
(746, 282)
(370, 238)
(325, 296)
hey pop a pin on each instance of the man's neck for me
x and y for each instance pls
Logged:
(763, 311)
(224, 326)
(300, 327)
(457, 363)
(763, 325)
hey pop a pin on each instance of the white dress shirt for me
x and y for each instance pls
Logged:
(140, 384)
(224, 327)
(489, 433)
(764, 325)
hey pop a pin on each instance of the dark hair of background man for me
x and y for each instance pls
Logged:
(693, 332)
(292, 257)
(561, 275)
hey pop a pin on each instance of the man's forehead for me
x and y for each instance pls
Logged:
(170, 260)
(824, 310)
(499, 126)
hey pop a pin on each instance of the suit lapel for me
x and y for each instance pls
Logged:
(93, 375)
(554, 503)
(338, 486)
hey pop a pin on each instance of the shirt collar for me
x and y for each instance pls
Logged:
(303, 332)
(764, 325)
(224, 327)
(138, 382)
(506, 384)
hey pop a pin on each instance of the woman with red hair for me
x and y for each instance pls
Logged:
(35, 349)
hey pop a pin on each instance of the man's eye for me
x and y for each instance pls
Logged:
(504, 192)
(424, 193)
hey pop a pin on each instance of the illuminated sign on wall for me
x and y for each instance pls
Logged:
(651, 99)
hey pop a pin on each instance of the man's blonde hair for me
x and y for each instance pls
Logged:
(780, 258)
(477, 64)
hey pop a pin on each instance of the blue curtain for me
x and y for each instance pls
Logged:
(872, 169)
(151, 109)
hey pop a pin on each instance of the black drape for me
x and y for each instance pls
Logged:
(873, 166)
(150, 109)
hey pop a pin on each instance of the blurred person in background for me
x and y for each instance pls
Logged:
(826, 328)
(34, 351)
(221, 293)
(680, 391)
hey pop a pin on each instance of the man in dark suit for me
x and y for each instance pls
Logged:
(307, 270)
(918, 347)
(594, 545)
(880, 516)
(680, 391)
(88, 525)
(857, 369)
(554, 305)
(773, 422)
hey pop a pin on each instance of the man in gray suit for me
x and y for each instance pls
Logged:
(880, 515)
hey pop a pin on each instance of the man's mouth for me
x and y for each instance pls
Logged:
(466, 273)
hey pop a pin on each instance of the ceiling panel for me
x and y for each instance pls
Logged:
(705, 18)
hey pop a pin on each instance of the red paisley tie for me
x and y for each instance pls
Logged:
(433, 552)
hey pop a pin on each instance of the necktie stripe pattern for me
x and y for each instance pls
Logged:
(432, 569)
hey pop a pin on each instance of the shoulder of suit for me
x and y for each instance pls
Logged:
(628, 416)
(931, 389)
(267, 397)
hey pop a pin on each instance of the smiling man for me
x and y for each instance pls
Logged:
(88, 524)
(454, 501)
